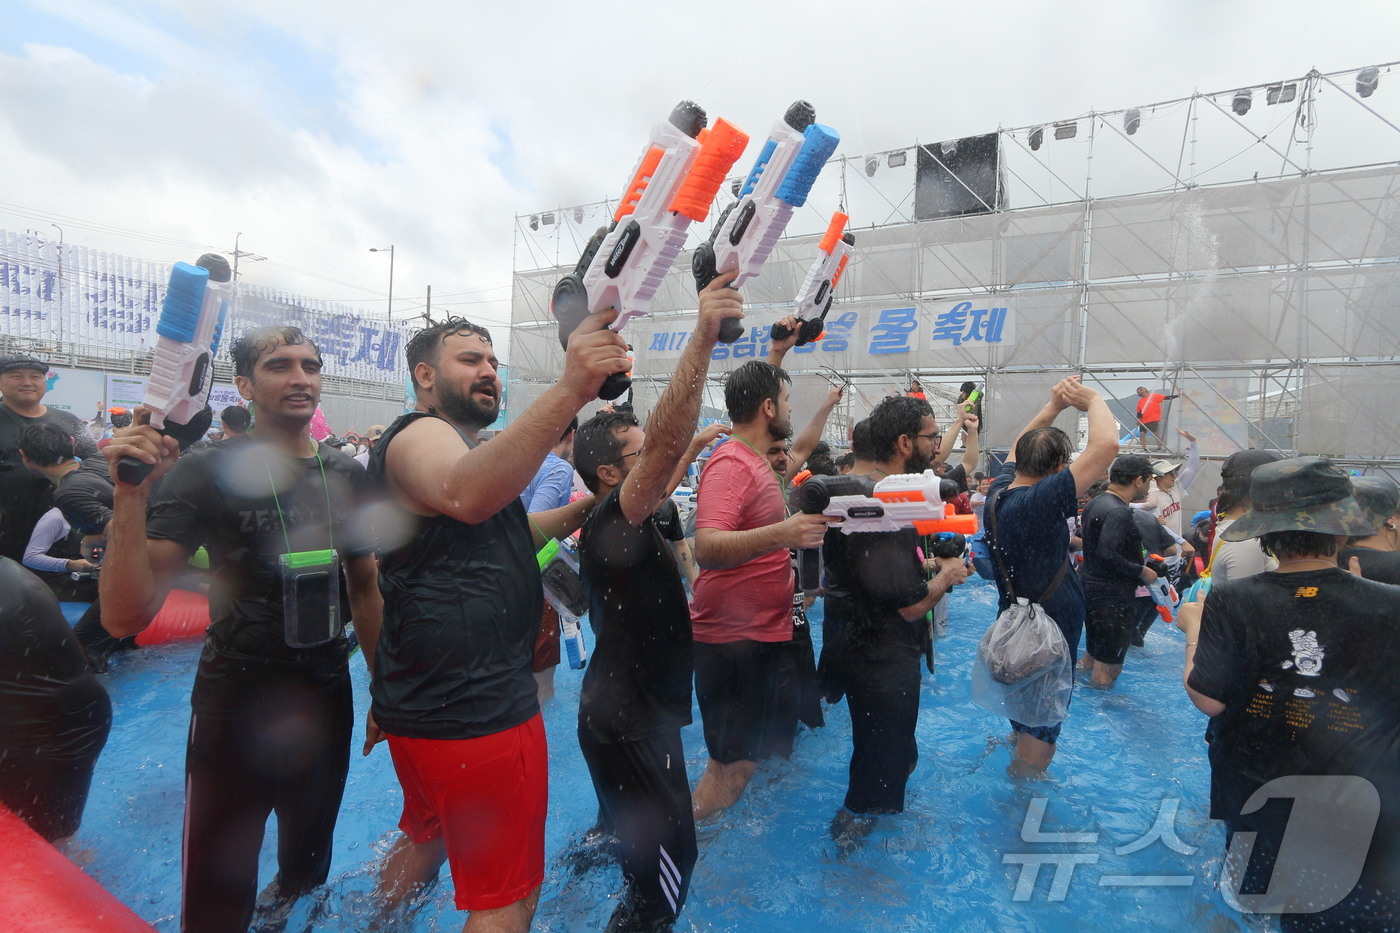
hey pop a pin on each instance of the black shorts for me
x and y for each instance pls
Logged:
(883, 748)
(741, 688)
(644, 801)
(1108, 625)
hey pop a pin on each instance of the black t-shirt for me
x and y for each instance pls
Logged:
(1032, 536)
(1305, 664)
(1156, 539)
(869, 577)
(1112, 548)
(51, 704)
(25, 495)
(462, 606)
(222, 497)
(668, 521)
(638, 678)
(1381, 566)
(84, 496)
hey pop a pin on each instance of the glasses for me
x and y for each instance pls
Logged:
(625, 456)
(932, 437)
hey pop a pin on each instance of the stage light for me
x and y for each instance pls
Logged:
(897, 159)
(1066, 130)
(1132, 120)
(871, 164)
(1366, 81)
(547, 219)
(578, 215)
(1037, 137)
(534, 221)
(1280, 93)
(1242, 101)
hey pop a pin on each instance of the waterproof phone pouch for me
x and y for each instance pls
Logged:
(311, 612)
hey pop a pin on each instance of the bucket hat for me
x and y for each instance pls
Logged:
(1303, 494)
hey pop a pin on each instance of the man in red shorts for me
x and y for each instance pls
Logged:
(452, 686)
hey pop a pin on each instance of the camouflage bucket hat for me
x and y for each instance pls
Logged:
(1304, 494)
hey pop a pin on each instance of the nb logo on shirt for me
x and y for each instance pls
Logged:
(1305, 591)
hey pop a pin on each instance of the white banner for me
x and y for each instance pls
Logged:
(83, 297)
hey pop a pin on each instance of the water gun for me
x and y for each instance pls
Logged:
(563, 587)
(819, 287)
(903, 500)
(973, 398)
(781, 177)
(1164, 594)
(191, 323)
(673, 185)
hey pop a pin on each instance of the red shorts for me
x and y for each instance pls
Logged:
(486, 799)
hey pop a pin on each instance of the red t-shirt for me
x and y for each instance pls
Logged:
(1150, 408)
(753, 601)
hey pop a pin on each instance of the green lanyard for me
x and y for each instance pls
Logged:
(325, 487)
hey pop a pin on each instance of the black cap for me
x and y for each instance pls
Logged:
(22, 361)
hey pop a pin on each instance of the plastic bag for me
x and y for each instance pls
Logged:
(1024, 669)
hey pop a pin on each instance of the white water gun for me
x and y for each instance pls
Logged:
(672, 186)
(787, 167)
(818, 289)
(182, 370)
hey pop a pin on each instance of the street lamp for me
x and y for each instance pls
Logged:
(240, 254)
(390, 250)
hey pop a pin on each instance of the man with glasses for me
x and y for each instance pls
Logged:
(877, 592)
(636, 691)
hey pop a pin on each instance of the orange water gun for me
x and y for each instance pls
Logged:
(819, 287)
(673, 185)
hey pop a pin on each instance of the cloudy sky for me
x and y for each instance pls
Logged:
(320, 129)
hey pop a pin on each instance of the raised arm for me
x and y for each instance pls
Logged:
(806, 442)
(137, 573)
(430, 465)
(703, 438)
(777, 349)
(1193, 462)
(971, 424)
(669, 426)
(1102, 444)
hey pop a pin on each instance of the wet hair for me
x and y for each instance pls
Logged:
(426, 344)
(893, 418)
(46, 445)
(121, 420)
(251, 345)
(598, 443)
(236, 419)
(573, 426)
(1127, 468)
(860, 440)
(1097, 488)
(848, 461)
(1043, 452)
(820, 462)
(1284, 545)
(749, 386)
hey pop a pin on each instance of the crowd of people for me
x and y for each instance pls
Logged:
(421, 549)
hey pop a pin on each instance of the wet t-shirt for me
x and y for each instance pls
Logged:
(1305, 664)
(638, 678)
(753, 601)
(248, 504)
(1112, 548)
(1033, 539)
(869, 577)
(462, 607)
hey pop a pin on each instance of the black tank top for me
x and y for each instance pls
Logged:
(462, 606)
